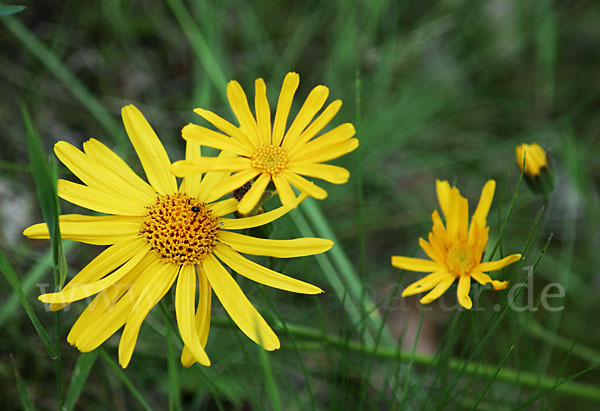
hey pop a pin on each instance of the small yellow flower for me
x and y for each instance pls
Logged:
(455, 249)
(157, 233)
(267, 152)
(534, 157)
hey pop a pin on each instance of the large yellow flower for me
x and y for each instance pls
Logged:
(158, 233)
(456, 249)
(269, 153)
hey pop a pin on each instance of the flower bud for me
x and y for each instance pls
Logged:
(536, 167)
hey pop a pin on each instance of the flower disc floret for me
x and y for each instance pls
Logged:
(180, 229)
(460, 259)
(270, 159)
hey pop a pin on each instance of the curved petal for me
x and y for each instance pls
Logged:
(442, 189)
(202, 317)
(223, 207)
(431, 251)
(462, 292)
(239, 104)
(191, 184)
(483, 279)
(416, 264)
(99, 230)
(496, 265)
(426, 283)
(485, 201)
(304, 185)
(337, 137)
(285, 192)
(253, 196)
(263, 111)
(298, 247)
(237, 305)
(184, 168)
(284, 103)
(316, 126)
(313, 103)
(327, 172)
(260, 274)
(97, 200)
(230, 183)
(214, 139)
(185, 298)
(225, 126)
(256, 220)
(154, 290)
(438, 290)
(150, 150)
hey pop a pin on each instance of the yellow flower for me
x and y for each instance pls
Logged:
(534, 157)
(269, 153)
(456, 249)
(158, 233)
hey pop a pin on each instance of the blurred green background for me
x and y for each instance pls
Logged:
(439, 89)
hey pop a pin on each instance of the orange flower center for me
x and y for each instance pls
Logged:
(460, 259)
(180, 229)
(270, 159)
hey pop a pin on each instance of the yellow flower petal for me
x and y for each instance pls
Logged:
(210, 138)
(426, 283)
(225, 126)
(416, 264)
(202, 317)
(237, 305)
(316, 126)
(260, 274)
(496, 265)
(239, 105)
(184, 168)
(152, 293)
(485, 201)
(298, 247)
(303, 184)
(96, 200)
(464, 286)
(334, 140)
(191, 184)
(110, 161)
(150, 150)
(224, 207)
(288, 89)
(256, 220)
(213, 179)
(185, 298)
(431, 252)
(99, 230)
(228, 184)
(442, 189)
(327, 172)
(438, 290)
(284, 190)
(483, 279)
(263, 111)
(313, 103)
(251, 198)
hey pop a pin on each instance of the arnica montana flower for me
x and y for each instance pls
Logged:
(159, 233)
(455, 249)
(538, 170)
(267, 152)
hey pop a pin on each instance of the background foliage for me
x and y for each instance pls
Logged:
(436, 89)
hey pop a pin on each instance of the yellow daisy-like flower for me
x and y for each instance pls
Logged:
(158, 233)
(534, 157)
(268, 153)
(456, 249)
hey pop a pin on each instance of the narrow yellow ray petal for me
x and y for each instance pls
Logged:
(431, 252)
(223, 207)
(202, 317)
(96, 200)
(214, 139)
(150, 150)
(213, 179)
(184, 168)
(313, 103)
(185, 297)
(325, 152)
(154, 290)
(274, 248)
(263, 111)
(415, 264)
(190, 184)
(260, 274)
(285, 192)
(335, 137)
(438, 290)
(485, 201)
(496, 265)
(225, 126)
(442, 189)
(462, 292)
(463, 219)
(316, 126)
(483, 279)
(330, 173)
(228, 184)
(99, 230)
(256, 220)
(426, 283)
(306, 186)
(111, 161)
(239, 104)
(284, 103)
(251, 198)
(241, 311)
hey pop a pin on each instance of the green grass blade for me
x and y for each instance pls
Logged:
(79, 377)
(8, 10)
(24, 396)
(270, 385)
(12, 279)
